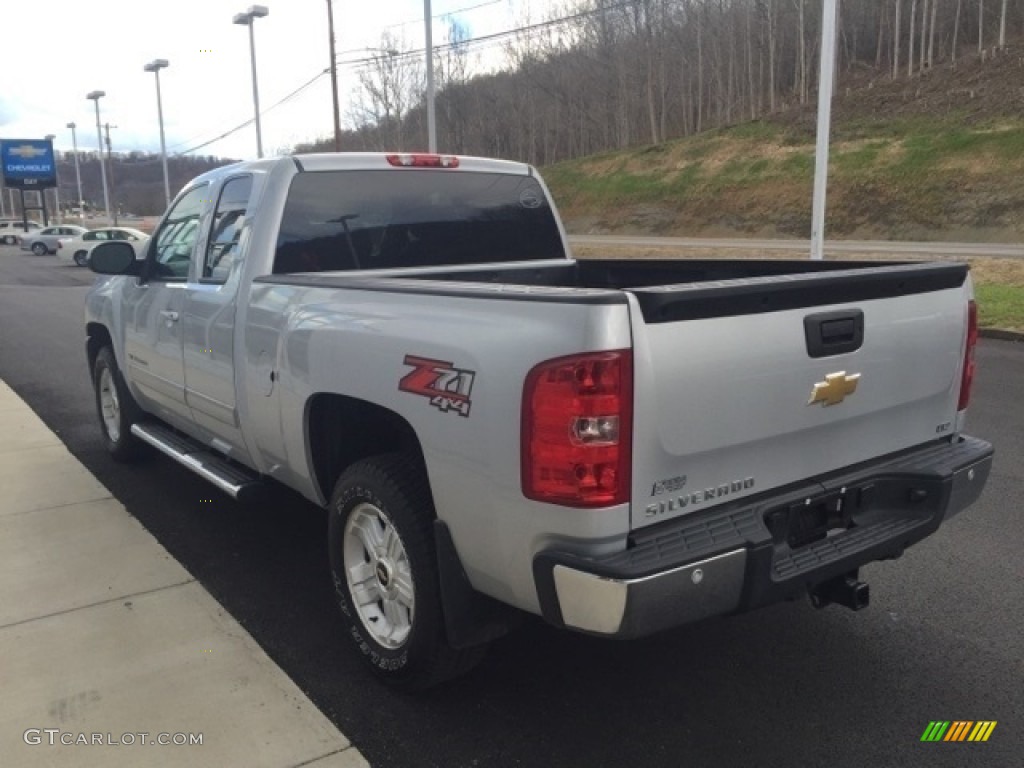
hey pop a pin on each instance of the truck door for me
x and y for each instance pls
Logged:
(209, 320)
(154, 307)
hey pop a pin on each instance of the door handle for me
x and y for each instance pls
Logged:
(834, 333)
(169, 315)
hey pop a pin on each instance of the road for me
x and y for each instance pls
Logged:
(998, 250)
(785, 686)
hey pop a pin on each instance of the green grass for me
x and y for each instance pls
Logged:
(858, 161)
(1000, 306)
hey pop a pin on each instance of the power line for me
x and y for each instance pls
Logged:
(446, 14)
(251, 120)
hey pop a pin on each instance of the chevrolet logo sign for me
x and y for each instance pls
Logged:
(26, 151)
(834, 389)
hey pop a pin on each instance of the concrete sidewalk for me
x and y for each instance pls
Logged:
(109, 648)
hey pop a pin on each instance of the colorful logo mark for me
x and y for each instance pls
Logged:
(958, 730)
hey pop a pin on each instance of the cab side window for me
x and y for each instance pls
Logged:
(175, 241)
(229, 220)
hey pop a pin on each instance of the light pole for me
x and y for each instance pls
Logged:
(247, 19)
(155, 66)
(56, 176)
(431, 123)
(826, 72)
(78, 172)
(95, 96)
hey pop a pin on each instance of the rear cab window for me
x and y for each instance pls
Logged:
(350, 220)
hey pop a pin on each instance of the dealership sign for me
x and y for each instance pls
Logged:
(28, 163)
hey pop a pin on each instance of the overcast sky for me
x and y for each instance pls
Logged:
(54, 52)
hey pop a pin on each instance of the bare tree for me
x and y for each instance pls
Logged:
(896, 44)
(772, 43)
(1002, 26)
(392, 81)
(910, 60)
(924, 34)
(956, 33)
(803, 53)
(931, 33)
(981, 26)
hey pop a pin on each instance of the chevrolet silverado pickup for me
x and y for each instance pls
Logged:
(496, 428)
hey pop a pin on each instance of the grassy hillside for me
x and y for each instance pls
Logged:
(939, 157)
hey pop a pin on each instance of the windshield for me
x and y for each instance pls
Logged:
(343, 220)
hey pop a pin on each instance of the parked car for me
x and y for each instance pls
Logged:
(44, 241)
(12, 229)
(79, 248)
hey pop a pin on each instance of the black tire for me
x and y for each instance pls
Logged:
(396, 486)
(40, 249)
(81, 258)
(120, 441)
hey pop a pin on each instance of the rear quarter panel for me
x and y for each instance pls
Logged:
(355, 343)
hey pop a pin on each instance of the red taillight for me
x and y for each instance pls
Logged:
(420, 160)
(577, 430)
(972, 340)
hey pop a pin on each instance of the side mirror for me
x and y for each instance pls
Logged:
(116, 257)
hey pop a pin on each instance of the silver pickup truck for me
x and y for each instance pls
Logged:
(496, 428)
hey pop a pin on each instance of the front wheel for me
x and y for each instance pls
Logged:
(116, 408)
(39, 249)
(81, 258)
(384, 566)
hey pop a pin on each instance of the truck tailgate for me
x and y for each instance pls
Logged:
(746, 385)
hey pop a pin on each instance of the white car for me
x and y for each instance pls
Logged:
(12, 229)
(78, 249)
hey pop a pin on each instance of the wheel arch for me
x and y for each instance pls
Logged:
(342, 430)
(96, 338)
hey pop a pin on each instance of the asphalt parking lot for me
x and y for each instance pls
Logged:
(784, 686)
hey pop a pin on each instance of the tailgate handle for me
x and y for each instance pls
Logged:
(834, 333)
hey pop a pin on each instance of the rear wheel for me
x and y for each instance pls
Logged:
(81, 258)
(116, 408)
(384, 567)
(40, 249)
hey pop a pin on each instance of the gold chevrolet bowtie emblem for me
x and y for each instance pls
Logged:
(27, 151)
(834, 389)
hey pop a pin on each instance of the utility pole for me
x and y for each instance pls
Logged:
(110, 162)
(334, 77)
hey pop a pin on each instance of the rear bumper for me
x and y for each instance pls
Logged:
(762, 550)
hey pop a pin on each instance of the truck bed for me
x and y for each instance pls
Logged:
(665, 290)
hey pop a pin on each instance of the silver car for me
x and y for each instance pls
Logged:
(44, 241)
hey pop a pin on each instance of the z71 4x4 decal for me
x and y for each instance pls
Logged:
(447, 388)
